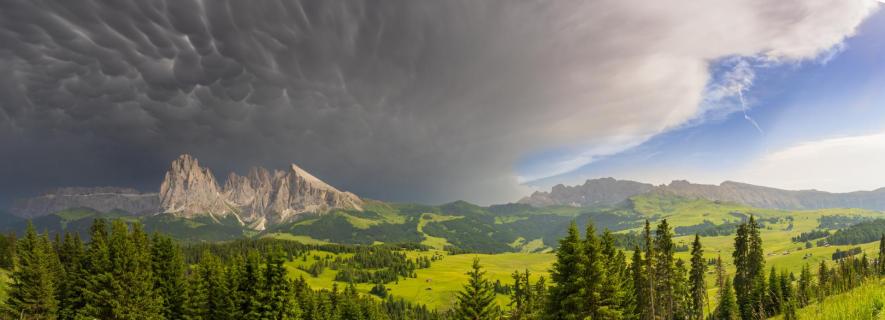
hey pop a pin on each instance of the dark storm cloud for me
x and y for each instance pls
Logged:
(405, 100)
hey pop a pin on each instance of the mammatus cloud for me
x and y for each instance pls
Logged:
(837, 164)
(416, 100)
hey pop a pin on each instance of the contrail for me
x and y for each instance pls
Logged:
(744, 108)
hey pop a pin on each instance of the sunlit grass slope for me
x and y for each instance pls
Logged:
(863, 303)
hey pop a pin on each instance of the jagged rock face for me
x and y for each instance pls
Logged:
(103, 199)
(259, 199)
(189, 190)
(596, 192)
(609, 191)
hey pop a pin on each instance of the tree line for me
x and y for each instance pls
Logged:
(124, 273)
(592, 280)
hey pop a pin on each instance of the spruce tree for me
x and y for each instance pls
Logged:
(565, 301)
(728, 308)
(132, 286)
(33, 291)
(71, 256)
(476, 301)
(95, 286)
(880, 263)
(756, 259)
(593, 277)
(696, 278)
(169, 271)
(775, 294)
(276, 302)
(649, 312)
(749, 279)
(803, 295)
(638, 275)
(665, 266)
(617, 290)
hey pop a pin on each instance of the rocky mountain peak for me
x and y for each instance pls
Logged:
(189, 189)
(257, 199)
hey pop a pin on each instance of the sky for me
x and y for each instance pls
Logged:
(432, 101)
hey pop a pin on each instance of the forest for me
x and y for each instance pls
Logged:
(125, 273)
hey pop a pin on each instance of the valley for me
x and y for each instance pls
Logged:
(523, 236)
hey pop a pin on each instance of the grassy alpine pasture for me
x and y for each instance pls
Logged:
(866, 302)
(436, 286)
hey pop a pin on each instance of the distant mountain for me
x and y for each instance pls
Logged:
(596, 192)
(258, 199)
(105, 199)
(190, 191)
(609, 191)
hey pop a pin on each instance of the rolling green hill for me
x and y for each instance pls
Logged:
(464, 227)
(507, 237)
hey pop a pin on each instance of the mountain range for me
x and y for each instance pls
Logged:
(257, 200)
(609, 191)
(191, 204)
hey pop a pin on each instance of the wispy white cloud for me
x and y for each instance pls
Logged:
(836, 164)
(660, 79)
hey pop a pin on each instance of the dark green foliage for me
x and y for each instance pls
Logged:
(124, 274)
(862, 232)
(565, 301)
(526, 298)
(708, 229)
(35, 280)
(477, 300)
(336, 228)
(379, 290)
(7, 251)
(169, 275)
(727, 308)
(665, 267)
(749, 279)
(839, 254)
(811, 235)
(840, 221)
(696, 279)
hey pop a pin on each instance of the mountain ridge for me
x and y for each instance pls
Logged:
(189, 190)
(730, 191)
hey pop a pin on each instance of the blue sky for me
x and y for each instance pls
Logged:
(839, 95)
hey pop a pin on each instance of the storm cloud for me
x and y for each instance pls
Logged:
(399, 100)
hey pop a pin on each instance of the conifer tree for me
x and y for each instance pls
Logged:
(276, 302)
(775, 294)
(248, 288)
(727, 308)
(618, 286)
(749, 279)
(169, 270)
(565, 301)
(638, 275)
(95, 286)
(880, 262)
(71, 256)
(593, 277)
(696, 278)
(33, 290)
(681, 291)
(803, 295)
(132, 281)
(665, 266)
(476, 301)
(649, 312)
